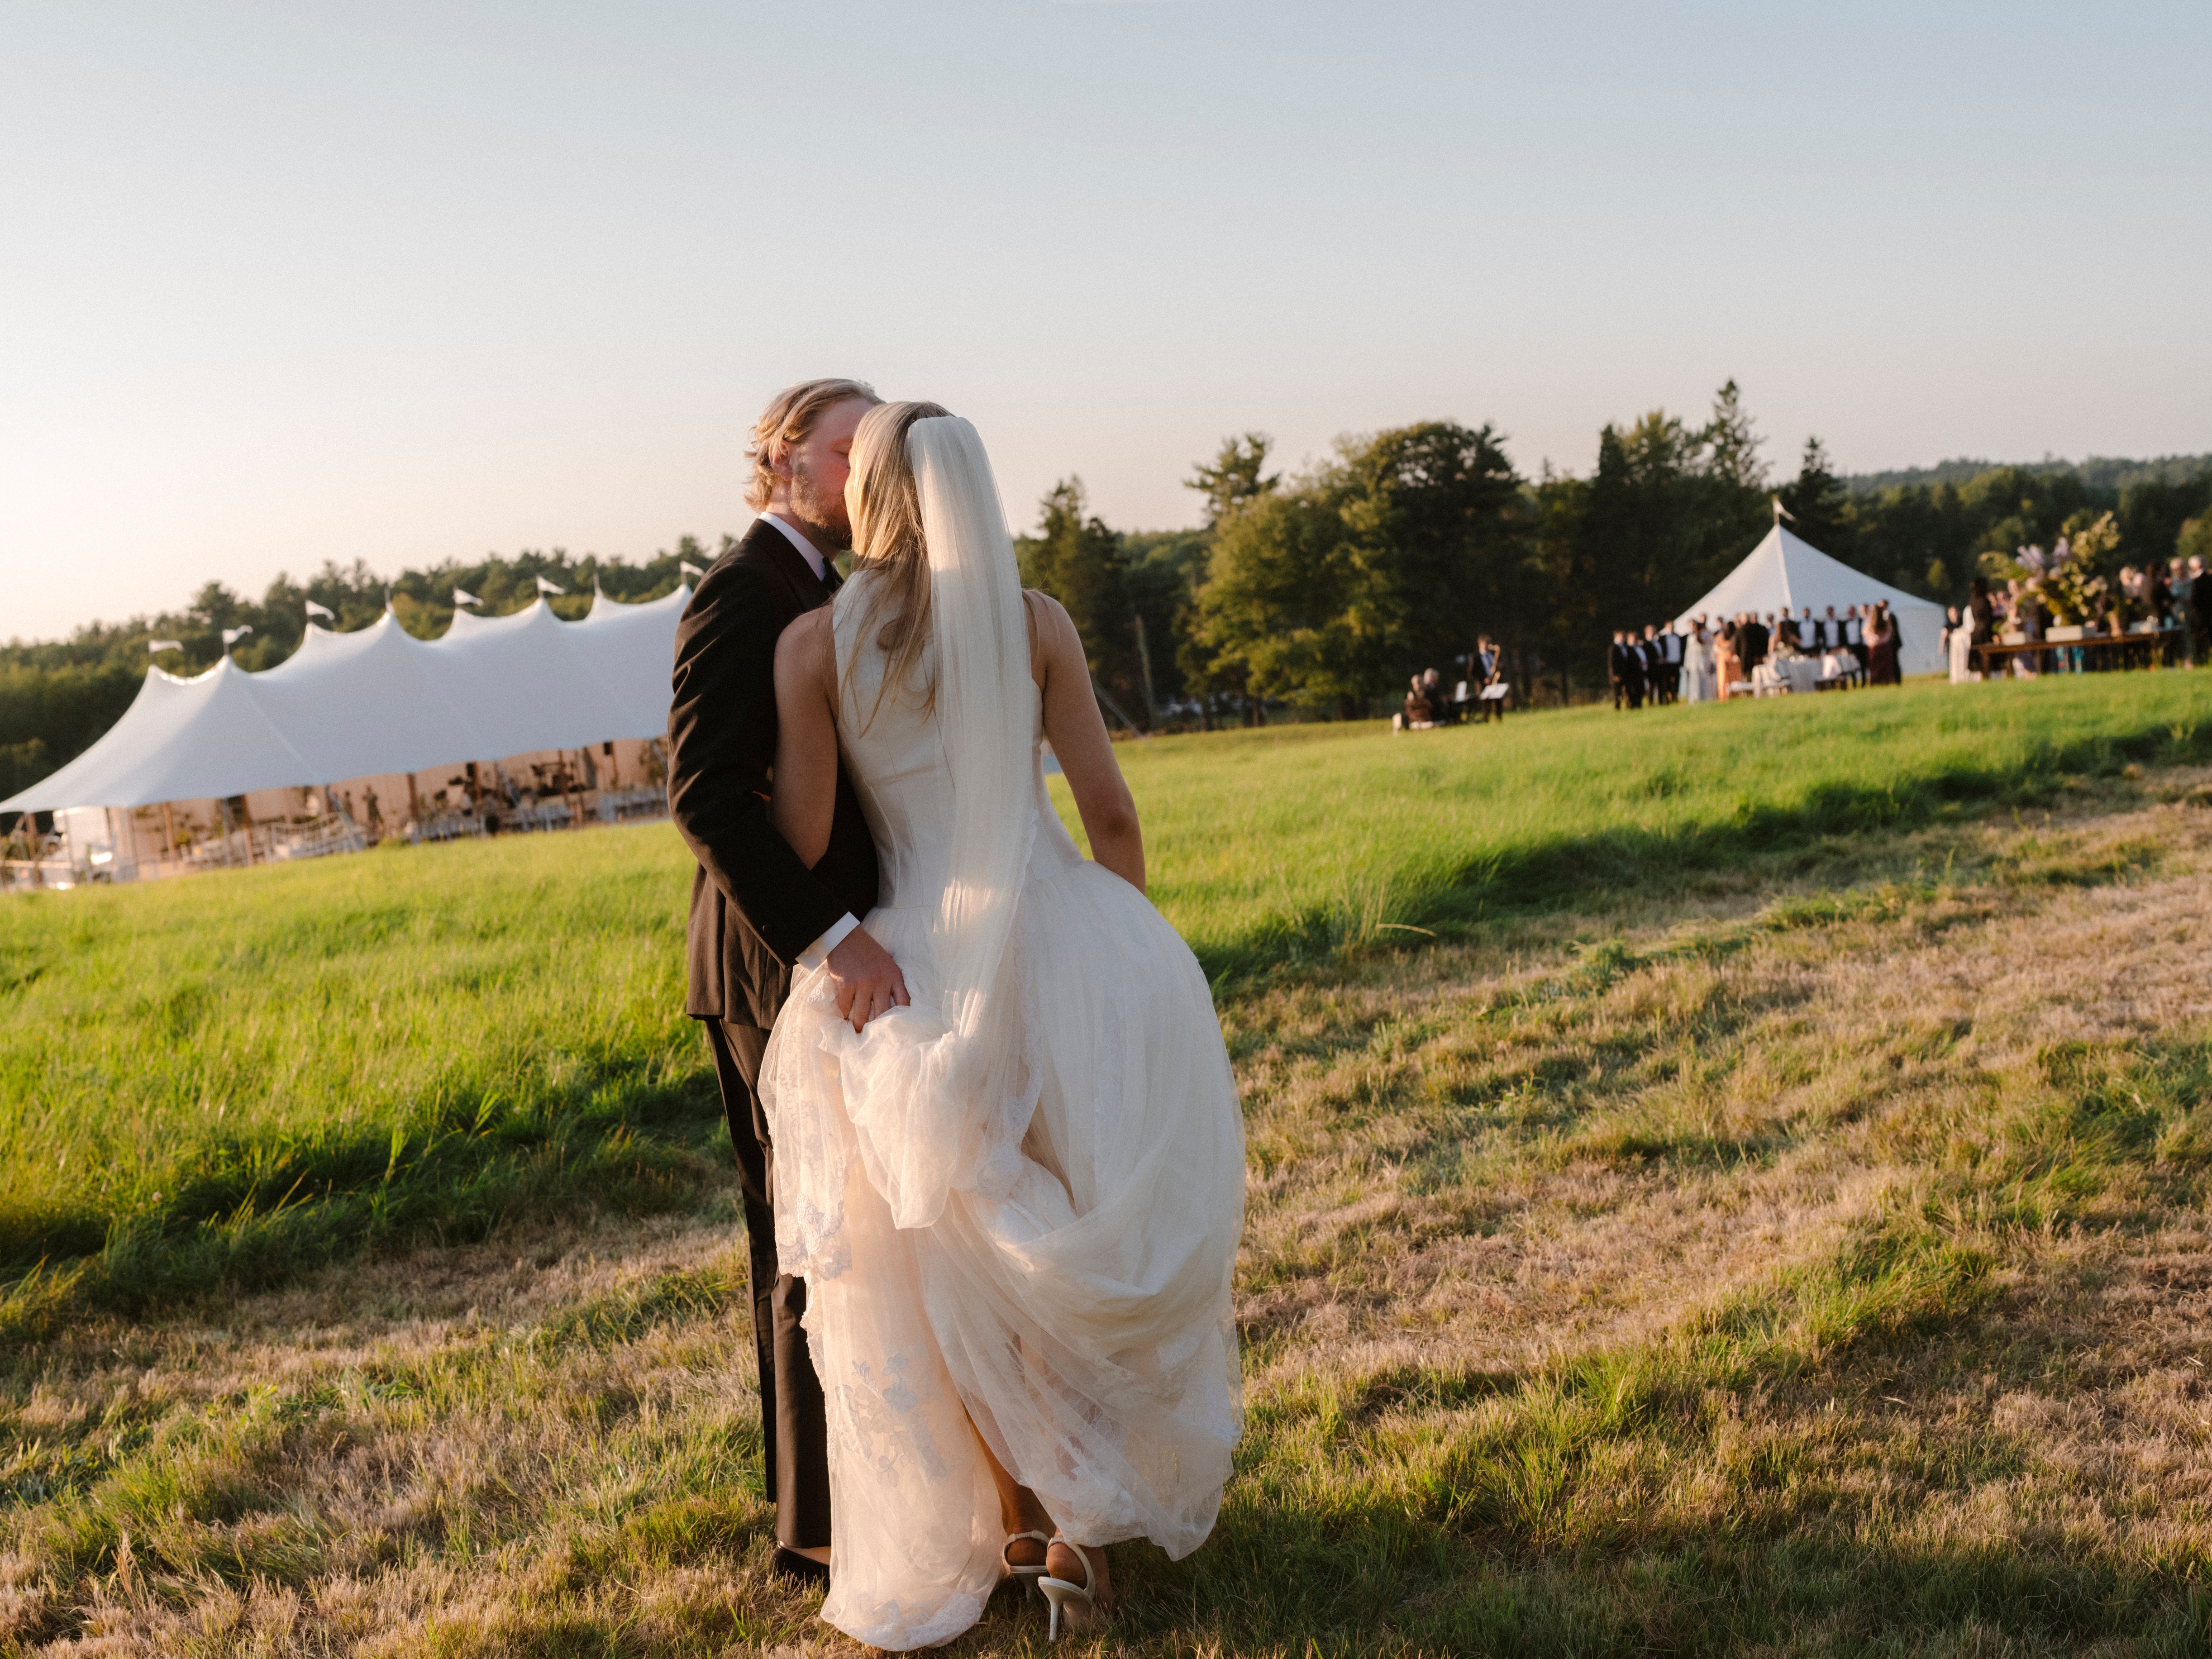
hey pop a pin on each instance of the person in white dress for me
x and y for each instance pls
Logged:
(1960, 642)
(1697, 670)
(1015, 1198)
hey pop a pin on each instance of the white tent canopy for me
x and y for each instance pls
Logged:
(1784, 573)
(352, 705)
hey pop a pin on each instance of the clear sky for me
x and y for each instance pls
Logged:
(398, 281)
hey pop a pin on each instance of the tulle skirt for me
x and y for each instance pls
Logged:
(1071, 1297)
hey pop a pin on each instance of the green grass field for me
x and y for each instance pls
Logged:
(1723, 1180)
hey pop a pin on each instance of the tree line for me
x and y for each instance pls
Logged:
(1314, 593)
(1324, 591)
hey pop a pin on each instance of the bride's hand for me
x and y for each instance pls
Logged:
(867, 978)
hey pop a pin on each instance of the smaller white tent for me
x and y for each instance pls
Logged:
(1784, 573)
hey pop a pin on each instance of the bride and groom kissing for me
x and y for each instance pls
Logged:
(989, 1141)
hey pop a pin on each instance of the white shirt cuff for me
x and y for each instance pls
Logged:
(818, 952)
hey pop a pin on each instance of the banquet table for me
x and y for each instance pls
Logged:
(2150, 641)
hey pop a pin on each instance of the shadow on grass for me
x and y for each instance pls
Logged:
(237, 1215)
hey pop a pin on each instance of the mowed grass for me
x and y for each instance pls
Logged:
(1284, 843)
(1783, 1232)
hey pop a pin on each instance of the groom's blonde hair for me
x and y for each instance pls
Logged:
(790, 415)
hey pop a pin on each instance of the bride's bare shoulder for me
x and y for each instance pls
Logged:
(806, 648)
(1051, 631)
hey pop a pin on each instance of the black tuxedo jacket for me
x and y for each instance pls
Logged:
(754, 906)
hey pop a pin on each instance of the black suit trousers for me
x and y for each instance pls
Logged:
(794, 1429)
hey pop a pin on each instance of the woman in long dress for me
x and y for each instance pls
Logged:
(1698, 668)
(1960, 641)
(1016, 1202)
(1729, 664)
(1881, 649)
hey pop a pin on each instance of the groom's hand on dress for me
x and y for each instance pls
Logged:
(867, 978)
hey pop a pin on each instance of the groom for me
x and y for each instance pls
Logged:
(757, 912)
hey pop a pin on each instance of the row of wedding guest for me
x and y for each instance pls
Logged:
(1699, 660)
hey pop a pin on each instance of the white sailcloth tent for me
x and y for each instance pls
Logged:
(380, 700)
(1785, 573)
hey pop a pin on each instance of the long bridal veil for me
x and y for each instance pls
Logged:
(1016, 1203)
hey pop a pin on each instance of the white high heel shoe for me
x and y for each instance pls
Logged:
(1030, 1575)
(1060, 1592)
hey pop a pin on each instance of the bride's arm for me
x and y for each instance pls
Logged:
(1076, 732)
(806, 789)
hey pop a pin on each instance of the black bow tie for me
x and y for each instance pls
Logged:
(831, 581)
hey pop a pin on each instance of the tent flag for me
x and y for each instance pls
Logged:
(1784, 573)
(545, 586)
(462, 596)
(380, 700)
(154, 647)
(322, 611)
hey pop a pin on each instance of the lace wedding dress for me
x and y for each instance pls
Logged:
(1016, 1203)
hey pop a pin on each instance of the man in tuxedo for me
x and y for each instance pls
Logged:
(1753, 637)
(1854, 641)
(1626, 666)
(1666, 650)
(1434, 695)
(757, 912)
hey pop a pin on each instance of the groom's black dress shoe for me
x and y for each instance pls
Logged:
(791, 1565)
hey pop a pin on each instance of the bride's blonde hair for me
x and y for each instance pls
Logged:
(885, 503)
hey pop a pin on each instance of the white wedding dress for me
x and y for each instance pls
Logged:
(1017, 1202)
(1697, 670)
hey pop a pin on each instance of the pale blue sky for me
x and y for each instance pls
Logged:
(410, 282)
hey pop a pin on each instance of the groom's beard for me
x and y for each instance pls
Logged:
(821, 514)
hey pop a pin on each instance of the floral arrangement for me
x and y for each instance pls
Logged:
(2066, 579)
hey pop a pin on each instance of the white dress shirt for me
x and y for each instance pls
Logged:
(817, 953)
(807, 551)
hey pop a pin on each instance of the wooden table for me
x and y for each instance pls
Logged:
(2151, 642)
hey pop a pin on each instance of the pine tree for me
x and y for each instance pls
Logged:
(1076, 559)
(1817, 502)
(1238, 474)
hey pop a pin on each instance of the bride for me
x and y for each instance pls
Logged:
(1016, 1200)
